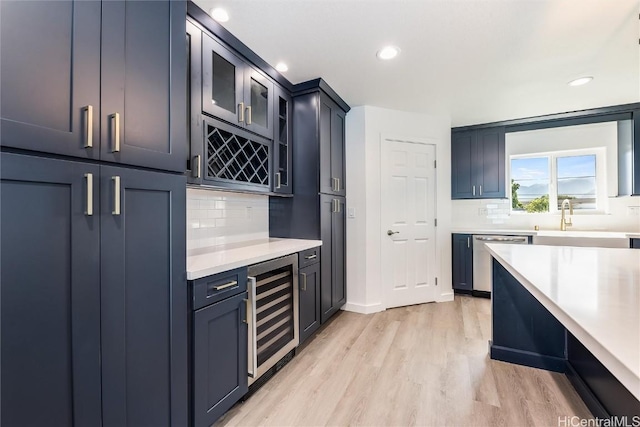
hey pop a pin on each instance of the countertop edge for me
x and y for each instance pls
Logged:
(622, 372)
(220, 268)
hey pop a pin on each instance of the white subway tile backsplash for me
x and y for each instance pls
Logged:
(216, 217)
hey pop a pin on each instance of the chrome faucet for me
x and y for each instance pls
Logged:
(565, 222)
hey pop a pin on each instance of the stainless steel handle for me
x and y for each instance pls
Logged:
(314, 256)
(481, 190)
(115, 118)
(338, 185)
(474, 190)
(246, 311)
(226, 285)
(198, 159)
(248, 115)
(391, 233)
(333, 205)
(88, 142)
(335, 184)
(89, 178)
(252, 359)
(241, 112)
(116, 195)
(338, 206)
(278, 183)
(303, 287)
(468, 242)
(501, 239)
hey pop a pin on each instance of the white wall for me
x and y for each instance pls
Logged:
(364, 127)
(218, 217)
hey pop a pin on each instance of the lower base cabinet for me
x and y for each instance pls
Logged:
(93, 295)
(309, 296)
(462, 261)
(219, 344)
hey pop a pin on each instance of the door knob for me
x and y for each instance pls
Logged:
(391, 233)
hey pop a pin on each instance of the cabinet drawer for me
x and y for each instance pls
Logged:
(217, 287)
(308, 257)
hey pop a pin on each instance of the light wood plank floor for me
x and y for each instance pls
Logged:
(423, 365)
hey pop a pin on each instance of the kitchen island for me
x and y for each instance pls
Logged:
(574, 310)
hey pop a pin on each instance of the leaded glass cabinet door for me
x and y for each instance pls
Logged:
(258, 98)
(222, 82)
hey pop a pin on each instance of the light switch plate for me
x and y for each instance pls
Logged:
(351, 212)
(633, 210)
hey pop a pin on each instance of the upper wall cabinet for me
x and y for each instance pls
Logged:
(234, 91)
(282, 152)
(332, 148)
(478, 164)
(106, 80)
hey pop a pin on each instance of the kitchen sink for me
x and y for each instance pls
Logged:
(601, 239)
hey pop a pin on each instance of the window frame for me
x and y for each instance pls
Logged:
(552, 157)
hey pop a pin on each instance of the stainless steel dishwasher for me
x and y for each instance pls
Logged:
(482, 265)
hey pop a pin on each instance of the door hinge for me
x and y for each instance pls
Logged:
(435, 222)
(435, 164)
(436, 281)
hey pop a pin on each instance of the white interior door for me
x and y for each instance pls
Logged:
(408, 222)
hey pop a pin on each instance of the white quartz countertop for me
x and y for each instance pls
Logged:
(593, 292)
(595, 234)
(217, 259)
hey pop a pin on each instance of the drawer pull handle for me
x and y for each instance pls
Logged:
(278, 181)
(247, 307)
(89, 178)
(241, 112)
(198, 166)
(248, 115)
(116, 195)
(115, 117)
(89, 125)
(226, 285)
(314, 256)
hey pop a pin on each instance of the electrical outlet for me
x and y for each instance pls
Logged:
(633, 210)
(482, 211)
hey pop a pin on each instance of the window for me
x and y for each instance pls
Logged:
(540, 182)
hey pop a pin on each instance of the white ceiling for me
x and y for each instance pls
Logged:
(477, 61)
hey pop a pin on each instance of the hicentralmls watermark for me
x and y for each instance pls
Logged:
(623, 421)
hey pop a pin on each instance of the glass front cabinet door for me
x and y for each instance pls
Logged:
(234, 91)
(282, 142)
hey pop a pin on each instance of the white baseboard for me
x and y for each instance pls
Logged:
(363, 308)
(446, 297)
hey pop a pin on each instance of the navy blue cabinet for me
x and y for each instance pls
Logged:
(317, 210)
(478, 164)
(635, 243)
(234, 91)
(143, 298)
(282, 144)
(94, 297)
(50, 76)
(96, 80)
(50, 292)
(462, 261)
(309, 292)
(219, 344)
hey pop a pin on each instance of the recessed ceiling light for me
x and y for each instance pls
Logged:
(219, 14)
(581, 81)
(282, 67)
(388, 52)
